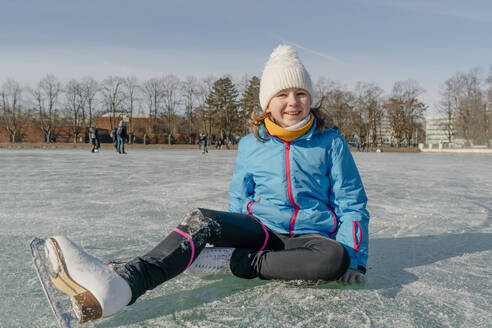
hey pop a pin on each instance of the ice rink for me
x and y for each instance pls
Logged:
(430, 262)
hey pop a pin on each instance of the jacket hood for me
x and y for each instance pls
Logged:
(335, 129)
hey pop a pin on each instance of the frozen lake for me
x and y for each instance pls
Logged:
(430, 262)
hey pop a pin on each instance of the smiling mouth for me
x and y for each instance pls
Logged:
(292, 113)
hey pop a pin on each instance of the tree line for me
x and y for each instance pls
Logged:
(466, 106)
(222, 107)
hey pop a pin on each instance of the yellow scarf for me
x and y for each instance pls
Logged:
(284, 134)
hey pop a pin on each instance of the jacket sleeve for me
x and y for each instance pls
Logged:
(242, 186)
(348, 199)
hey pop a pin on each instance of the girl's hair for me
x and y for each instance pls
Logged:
(323, 120)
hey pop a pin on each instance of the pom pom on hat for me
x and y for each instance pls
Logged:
(283, 70)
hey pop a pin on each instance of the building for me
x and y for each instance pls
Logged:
(385, 131)
(436, 132)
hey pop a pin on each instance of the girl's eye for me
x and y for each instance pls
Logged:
(301, 93)
(281, 95)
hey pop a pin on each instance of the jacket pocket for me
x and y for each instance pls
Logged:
(356, 228)
(250, 204)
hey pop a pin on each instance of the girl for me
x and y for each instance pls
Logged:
(297, 209)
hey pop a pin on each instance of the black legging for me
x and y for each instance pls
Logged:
(259, 252)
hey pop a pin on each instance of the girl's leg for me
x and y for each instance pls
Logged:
(178, 250)
(304, 257)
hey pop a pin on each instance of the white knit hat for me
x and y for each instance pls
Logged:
(283, 70)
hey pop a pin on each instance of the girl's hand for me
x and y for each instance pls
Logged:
(350, 277)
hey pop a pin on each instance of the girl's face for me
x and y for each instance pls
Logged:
(289, 106)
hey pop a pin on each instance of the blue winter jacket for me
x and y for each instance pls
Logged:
(308, 185)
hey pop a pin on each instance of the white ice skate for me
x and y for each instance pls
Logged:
(95, 290)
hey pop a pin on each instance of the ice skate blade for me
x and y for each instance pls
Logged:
(85, 305)
(50, 254)
(41, 265)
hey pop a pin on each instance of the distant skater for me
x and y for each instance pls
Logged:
(121, 135)
(203, 140)
(297, 208)
(94, 139)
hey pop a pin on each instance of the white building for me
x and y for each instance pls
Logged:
(385, 131)
(435, 130)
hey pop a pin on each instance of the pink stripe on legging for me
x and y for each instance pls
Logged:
(184, 234)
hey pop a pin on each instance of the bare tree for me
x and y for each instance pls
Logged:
(321, 88)
(190, 92)
(75, 107)
(406, 109)
(46, 96)
(368, 111)
(451, 97)
(131, 89)
(397, 119)
(481, 102)
(171, 85)
(113, 97)
(90, 89)
(337, 102)
(153, 93)
(374, 112)
(470, 120)
(11, 109)
(489, 107)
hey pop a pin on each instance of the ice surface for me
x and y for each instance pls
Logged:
(430, 262)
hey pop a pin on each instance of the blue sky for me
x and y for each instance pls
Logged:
(378, 41)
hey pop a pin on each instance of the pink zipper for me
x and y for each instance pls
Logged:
(289, 183)
(289, 187)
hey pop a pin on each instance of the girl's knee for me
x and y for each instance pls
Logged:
(334, 261)
(193, 216)
(194, 220)
(197, 220)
